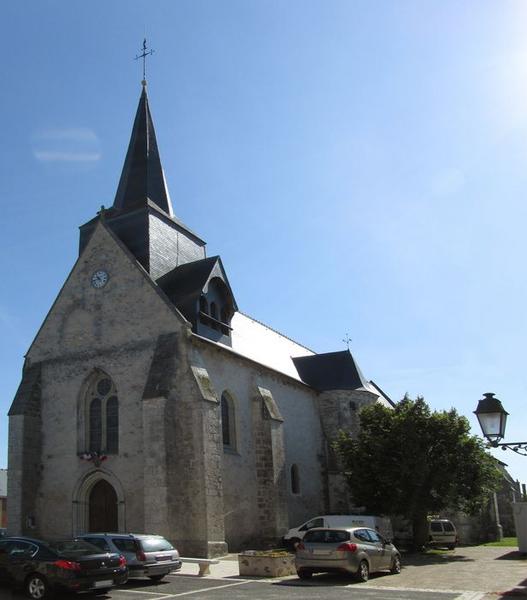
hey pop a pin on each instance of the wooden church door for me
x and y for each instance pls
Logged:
(103, 508)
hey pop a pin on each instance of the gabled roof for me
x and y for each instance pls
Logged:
(184, 284)
(142, 177)
(330, 371)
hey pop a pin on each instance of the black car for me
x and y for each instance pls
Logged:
(70, 565)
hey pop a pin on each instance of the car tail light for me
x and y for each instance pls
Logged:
(140, 555)
(68, 565)
(300, 546)
(347, 547)
(122, 561)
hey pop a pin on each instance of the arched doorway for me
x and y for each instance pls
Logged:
(102, 511)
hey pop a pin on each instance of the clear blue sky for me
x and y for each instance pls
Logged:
(361, 167)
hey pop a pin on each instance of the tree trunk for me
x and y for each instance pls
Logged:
(420, 529)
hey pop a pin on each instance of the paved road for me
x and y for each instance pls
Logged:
(476, 573)
(321, 588)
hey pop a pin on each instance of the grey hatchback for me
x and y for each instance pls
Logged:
(358, 551)
(146, 555)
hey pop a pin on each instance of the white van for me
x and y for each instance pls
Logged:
(382, 524)
(442, 533)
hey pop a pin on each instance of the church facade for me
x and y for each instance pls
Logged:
(149, 402)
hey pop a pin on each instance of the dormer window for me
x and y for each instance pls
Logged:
(215, 307)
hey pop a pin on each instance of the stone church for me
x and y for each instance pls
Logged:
(149, 402)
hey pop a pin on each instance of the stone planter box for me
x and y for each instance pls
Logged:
(262, 564)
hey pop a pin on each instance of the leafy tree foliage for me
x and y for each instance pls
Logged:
(414, 462)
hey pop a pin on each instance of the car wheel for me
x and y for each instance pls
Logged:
(304, 573)
(451, 547)
(363, 572)
(155, 577)
(396, 565)
(294, 542)
(36, 587)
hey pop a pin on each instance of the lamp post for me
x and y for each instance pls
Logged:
(492, 419)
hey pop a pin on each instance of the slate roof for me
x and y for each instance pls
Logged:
(330, 371)
(142, 178)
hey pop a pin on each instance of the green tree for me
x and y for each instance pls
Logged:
(413, 462)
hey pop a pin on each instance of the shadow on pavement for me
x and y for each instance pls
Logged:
(515, 593)
(327, 579)
(418, 559)
(513, 555)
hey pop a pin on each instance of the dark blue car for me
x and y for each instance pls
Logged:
(40, 568)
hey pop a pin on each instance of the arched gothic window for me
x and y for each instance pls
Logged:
(228, 422)
(295, 480)
(102, 416)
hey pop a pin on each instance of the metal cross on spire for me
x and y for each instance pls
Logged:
(143, 55)
(347, 341)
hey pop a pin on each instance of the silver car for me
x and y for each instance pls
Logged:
(358, 551)
(146, 555)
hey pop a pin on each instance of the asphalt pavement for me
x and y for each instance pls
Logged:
(467, 573)
(471, 573)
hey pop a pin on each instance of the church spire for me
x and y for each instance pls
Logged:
(142, 178)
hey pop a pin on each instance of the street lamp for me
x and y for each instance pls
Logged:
(492, 419)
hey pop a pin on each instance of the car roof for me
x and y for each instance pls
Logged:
(121, 535)
(440, 521)
(350, 529)
(23, 538)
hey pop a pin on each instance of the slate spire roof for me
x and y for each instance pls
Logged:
(142, 178)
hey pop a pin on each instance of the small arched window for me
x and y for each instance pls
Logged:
(203, 305)
(295, 480)
(214, 314)
(224, 320)
(102, 416)
(228, 422)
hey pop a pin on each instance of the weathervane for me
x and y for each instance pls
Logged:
(143, 55)
(347, 341)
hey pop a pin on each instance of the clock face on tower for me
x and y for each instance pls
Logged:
(99, 279)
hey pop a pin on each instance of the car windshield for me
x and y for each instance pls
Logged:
(447, 526)
(325, 536)
(156, 544)
(74, 548)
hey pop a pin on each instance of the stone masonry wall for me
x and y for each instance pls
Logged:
(339, 410)
(302, 445)
(113, 329)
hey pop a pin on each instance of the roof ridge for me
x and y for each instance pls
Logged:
(276, 331)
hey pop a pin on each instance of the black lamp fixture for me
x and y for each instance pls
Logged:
(492, 419)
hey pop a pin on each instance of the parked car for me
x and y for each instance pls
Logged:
(358, 551)
(41, 568)
(442, 533)
(383, 525)
(146, 555)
